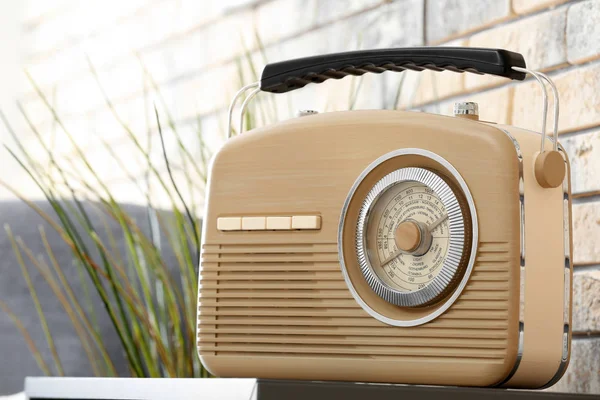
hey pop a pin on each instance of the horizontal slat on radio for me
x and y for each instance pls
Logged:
(493, 247)
(347, 331)
(338, 303)
(371, 350)
(492, 258)
(433, 359)
(326, 294)
(280, 294)
(482, 295)
(475, 343)
(338, 312)
(256, 284)
(478, 275)
(269, 248)
(327, 321)
(271, 267)
(311, 302)
(317, 275)
(487, 286)
(484, 304)
(285, 312)
(490, 267)
(273, 276)
(275, 258)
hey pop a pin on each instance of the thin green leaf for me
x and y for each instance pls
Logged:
(35, 352)
(36, 302)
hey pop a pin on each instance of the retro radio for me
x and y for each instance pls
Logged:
(389, 246)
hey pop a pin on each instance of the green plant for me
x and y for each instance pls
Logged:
(151, 305)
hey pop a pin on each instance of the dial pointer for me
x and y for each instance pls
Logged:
(391, 258)
(438, 221)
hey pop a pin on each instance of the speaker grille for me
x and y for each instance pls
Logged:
(291, 299)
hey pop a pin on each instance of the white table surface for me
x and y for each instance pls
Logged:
(146, 388)
(17, 396)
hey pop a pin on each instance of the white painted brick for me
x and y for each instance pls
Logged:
(59, 68)
(204, 94)
(579, 92)
(527, 6)
(586, 231)
(383, 23)
(583, 373)
(586, 302)
(105, 125)
(157, 22)
(332, 10)
(448, 18)
(212, 129)
(397, 24)
(38, 113)
(583, 31)
(210, 46)
(77, 22)
(119, 83)
(155, 25)
(194, 52)
(192, 14)
(584, 155)
(272, 19)
(36, 12)
(541, 40)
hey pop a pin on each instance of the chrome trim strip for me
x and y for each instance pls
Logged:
(456, 230)
(520, 344)
(475, 239)
(567, 279)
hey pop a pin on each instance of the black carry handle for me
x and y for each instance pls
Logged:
(290, 75)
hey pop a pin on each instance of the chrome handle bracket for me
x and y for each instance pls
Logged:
(540, 77)
(256, 87)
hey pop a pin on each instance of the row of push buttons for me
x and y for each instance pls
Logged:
(303, 222)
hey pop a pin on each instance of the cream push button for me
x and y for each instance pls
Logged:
(279, 223)
(306, 222)
(254, 223)
(229, 223)
(272, 223)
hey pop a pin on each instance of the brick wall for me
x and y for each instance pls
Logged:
(192, 51)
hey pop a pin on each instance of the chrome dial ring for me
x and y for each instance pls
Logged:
(450, 267)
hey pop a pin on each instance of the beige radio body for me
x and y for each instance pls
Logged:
(280, 291)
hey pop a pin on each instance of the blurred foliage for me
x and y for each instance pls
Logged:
(152, 305)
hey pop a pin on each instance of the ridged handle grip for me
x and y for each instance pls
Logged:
(290, 75)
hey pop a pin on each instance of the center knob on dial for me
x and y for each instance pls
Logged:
(413, 237)
(408, 236)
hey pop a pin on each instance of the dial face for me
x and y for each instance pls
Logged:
(410, 239)
(402, 203)
(407, 208)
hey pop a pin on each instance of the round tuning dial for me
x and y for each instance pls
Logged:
(411, 239)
